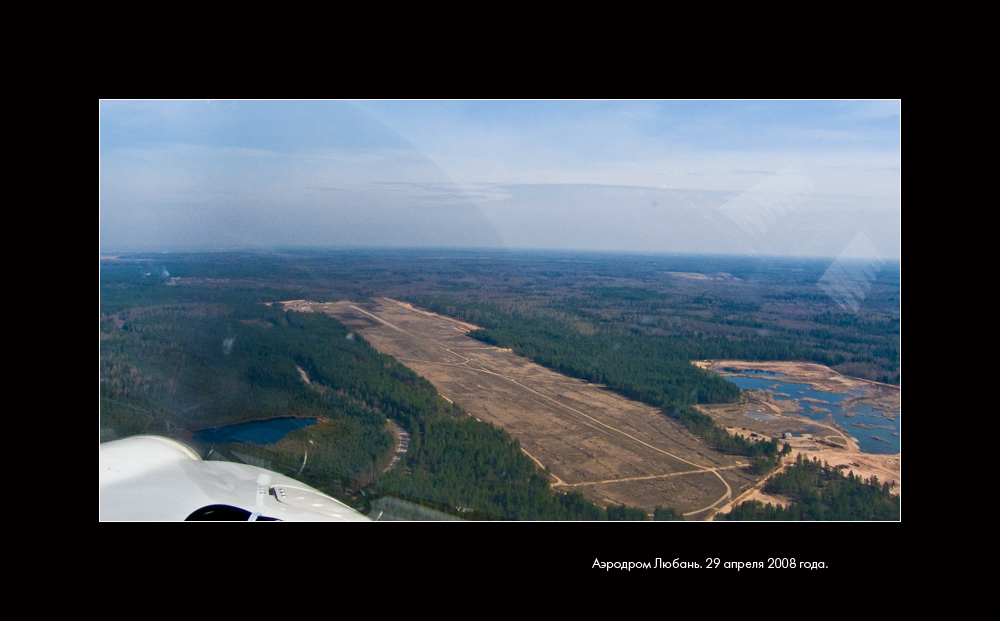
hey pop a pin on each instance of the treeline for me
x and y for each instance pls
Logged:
(762, 349)
(644, 368)
(764, 455)
(820, 492)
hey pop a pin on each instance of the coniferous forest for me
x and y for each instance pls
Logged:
(178, 359)
(188, 342)
(820, 492)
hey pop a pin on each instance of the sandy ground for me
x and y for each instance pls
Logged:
(823, 377)
(832, 444)
(592, 440)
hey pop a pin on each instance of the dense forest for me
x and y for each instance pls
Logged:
(745, 308)
(188, 343)
(820, 492)
(175, 359)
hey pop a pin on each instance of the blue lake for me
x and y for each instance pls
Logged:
(871, 439)
(258, 432)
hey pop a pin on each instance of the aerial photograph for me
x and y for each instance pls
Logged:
(502, 311)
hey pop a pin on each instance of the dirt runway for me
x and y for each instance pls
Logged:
(593, 441)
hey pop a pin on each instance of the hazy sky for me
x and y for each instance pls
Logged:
(809, 178)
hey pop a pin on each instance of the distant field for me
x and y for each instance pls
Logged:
(593, 441)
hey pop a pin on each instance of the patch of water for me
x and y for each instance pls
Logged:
(817, 405)
(257, 432)
(864, 409)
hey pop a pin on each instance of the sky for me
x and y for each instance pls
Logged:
(785, 178)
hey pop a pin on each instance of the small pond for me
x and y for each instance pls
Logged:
(258, 431)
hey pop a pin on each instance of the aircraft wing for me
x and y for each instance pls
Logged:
(156, 478)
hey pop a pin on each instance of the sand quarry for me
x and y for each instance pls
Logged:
(831, 444)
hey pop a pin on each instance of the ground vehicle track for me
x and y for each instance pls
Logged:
(482, 369)
(549, 403)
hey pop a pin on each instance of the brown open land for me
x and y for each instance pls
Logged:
(832, 444)
(610, 449)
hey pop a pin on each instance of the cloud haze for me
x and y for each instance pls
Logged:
(732, 177)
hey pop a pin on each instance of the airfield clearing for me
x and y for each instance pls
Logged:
(609, 448)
